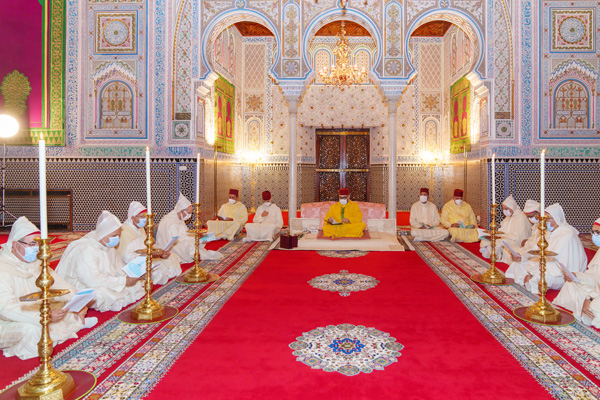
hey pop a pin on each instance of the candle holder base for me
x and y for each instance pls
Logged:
(84, 383)
(201, 277)
(491, 278)
(148, 310)
(51, 384)
(544, 314)
(127, 316)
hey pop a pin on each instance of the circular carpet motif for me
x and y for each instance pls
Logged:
(344, 282)
(347, 349)
(342, 253)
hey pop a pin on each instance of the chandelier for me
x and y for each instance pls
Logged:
(342, 73)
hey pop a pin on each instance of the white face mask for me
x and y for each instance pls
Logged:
(549, 227)
(423, 199)
(344, 201)
(31, 253)
(232, 201)
(185, 216)
(534, 220)
(596, 240)
(458, 202)
(507, 213)
(141, 223)
(267, 203)
(113, 241)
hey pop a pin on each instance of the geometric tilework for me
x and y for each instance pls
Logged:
(116, 32)
(572, 29)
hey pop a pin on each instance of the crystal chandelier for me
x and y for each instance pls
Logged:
(343, 73)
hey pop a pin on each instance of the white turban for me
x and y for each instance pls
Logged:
(107, 223)
(511, 203)
(182, 203)
(557, 212)
(531, 206)
(21, 228)
(135, 208)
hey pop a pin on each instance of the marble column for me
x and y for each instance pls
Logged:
(293, 165)
(392, 106)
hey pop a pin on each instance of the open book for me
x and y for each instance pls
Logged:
(567, 272)
(137, 267)
(79, 300)
(482, 235)
(512, 251)
(171, 243)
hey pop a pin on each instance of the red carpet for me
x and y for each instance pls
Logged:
(13, 367)
(244, 352)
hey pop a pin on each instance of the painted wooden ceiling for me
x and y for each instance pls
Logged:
(247, 28)
(433, 28)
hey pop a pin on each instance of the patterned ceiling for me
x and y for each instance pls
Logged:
(433, 28)
(352, 29)
(248, 28)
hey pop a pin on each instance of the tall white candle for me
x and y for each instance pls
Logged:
(43, 201)
(198, 178)
(148, 196)
(542, 181)
(494, 178)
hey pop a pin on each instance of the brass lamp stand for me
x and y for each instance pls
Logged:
(493, 276)
(47, 383)
(197, 274)
(149, 309)
(542, 312)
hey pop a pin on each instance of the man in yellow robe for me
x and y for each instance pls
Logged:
(230, 219)
(459, 219)
(344, 218)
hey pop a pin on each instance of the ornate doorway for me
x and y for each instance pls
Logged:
(343, 160)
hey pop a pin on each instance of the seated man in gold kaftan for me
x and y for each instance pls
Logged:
(344, 218)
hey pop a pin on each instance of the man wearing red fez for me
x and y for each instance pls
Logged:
(425, 220)
(459, 219)
(231, 218)
(268, 221)
(344, 218)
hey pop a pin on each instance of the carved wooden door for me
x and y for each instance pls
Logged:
(342, 161)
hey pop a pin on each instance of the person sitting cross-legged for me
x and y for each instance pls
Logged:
(344, 218)
(268, 220)
(20, 328)
(459, 219)
(425, 220)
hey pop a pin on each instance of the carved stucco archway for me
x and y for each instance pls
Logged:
(336, 15)
(464, 22)
(218, 25)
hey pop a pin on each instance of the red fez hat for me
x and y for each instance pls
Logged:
(458, 193)
(596, 223)
(424, 190)
(234, 191)
(344, 192)
(266, 195)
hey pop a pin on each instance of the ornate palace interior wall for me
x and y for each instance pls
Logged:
(126, 75)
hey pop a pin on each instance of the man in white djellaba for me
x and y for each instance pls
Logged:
(20, 328)
(425, 220)
(562, 239)
(133, 236)
(93, 262)
(581, 295)
(173, 225)
(515, 228)
(268, 220)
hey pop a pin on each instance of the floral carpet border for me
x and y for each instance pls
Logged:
(106, 345)
(547, 366)
(135, 377)
(578, 341)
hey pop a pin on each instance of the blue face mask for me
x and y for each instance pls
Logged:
(31, 253)
(113, 241)
(596, 240)
(141, 223)
(550, 227)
